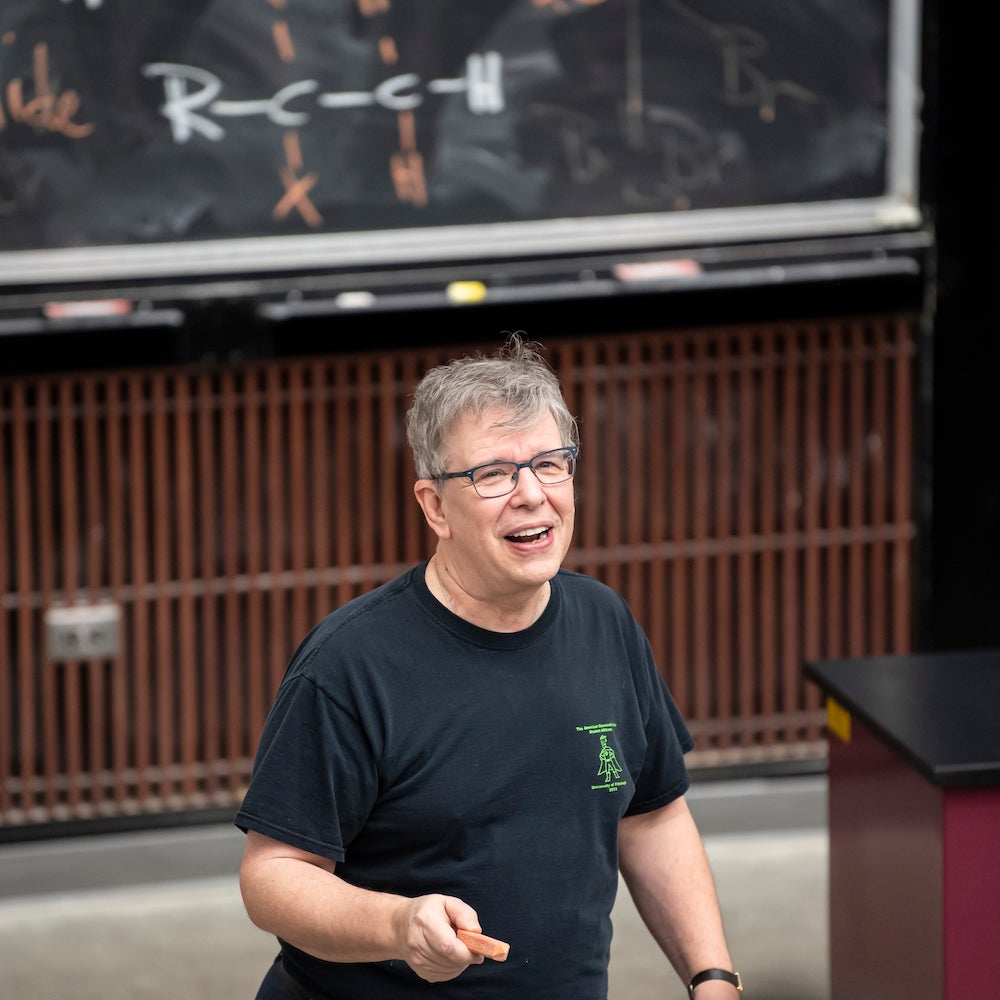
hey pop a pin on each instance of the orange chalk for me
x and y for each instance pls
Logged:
(480, 944)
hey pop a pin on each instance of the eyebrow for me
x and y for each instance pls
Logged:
(514, 461)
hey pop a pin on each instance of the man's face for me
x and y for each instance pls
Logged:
(505, 546)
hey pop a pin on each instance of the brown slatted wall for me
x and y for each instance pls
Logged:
(747, 489)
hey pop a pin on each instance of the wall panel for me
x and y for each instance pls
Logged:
(748, 489)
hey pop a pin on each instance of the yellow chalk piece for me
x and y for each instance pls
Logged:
(838, 720)
(464, 292)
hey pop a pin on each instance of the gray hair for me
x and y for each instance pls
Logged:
(516, 379)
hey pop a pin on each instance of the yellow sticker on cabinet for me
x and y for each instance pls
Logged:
(838, 720)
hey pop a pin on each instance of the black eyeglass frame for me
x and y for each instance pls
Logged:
(518, 466)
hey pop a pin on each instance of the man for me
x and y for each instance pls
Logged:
(477, 745)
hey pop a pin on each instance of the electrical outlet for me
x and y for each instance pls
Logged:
(83, 631)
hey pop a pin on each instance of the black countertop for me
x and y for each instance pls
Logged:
(939, 710)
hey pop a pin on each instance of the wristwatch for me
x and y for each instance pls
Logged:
(703, 977)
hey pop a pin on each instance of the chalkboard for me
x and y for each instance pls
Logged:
(152, 137)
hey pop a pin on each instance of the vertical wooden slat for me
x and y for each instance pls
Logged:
(94, 506)
(51, 741)
(791, 501)
(700, 621)
(299, 477)
(235, 627)
(95, 542)
(414, 527)
(615, 476)
(834, 612)
(636, 457)
(658, 490)
(363, 470)
(747, 607)
(343, 462)
(189, 700)
(210, 477)
(388, 484)
(320, 503)
(114, 461)
(23, 584)
(902, 485)
(816, 467)
(69, 493)
(721, 611)
(767, 470)
(877, 434)
(273, 527)
(593, 457)
(857, 482)
(679, 645)
(140, 647)
(161, 477)
(254, 533)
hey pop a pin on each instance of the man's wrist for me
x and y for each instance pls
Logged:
(715, 975)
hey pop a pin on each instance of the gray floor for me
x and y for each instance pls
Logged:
(157, 915)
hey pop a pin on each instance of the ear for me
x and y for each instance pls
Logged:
(432, 504)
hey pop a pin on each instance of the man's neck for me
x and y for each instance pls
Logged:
(497, 616)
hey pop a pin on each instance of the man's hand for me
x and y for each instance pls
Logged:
(426, 927)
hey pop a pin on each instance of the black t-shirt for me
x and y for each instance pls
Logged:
(424, 754)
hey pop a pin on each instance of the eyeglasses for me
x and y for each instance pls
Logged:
(497, 479)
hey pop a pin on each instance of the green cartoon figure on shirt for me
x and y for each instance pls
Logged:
(609, 769)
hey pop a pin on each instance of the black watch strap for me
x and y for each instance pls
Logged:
(703, 977)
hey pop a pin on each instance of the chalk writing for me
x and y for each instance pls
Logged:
(191, 96)
(275, 108)
(483, 84)
(46, 109)
(367, 118)
(387, 50)
(578, 138)
(686, 160)
(297, 184)
(297, 188)
(677, 156)
(181, 104)
(283, 41)
(744, 83)
(407, 166)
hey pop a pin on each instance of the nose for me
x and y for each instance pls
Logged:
(527, 489)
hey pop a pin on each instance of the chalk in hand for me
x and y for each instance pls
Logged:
(480, 944)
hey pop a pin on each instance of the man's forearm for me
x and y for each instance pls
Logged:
(299, 897)
(319, 913)
(664, 864)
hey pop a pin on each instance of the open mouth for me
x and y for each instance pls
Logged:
(529, 536)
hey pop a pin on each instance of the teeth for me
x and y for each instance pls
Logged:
(529, 533)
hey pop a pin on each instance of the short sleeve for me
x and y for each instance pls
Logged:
(663, 776)
(314, 776)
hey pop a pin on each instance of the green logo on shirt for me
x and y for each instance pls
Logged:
(608, 767)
